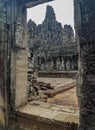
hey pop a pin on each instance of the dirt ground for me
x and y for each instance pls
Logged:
(67, 98)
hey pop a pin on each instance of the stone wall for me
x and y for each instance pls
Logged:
(31, 124)
(18, 63)
(21, 54)
(4, 62)
(85, 37)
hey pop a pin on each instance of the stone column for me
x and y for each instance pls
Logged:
(62, 63)
(41, 63)
(85, 37)
(19, 56)
(4, 63)
(65, 60)
(71, 63)
(52, 64)
(58, 63)
(68, 65)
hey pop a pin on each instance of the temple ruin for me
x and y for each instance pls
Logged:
(16, 113)
(52, 46)
(52, 60)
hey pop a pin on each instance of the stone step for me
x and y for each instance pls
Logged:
(60, 89)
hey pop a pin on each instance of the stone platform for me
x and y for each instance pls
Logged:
(57, 82)
(46, 116)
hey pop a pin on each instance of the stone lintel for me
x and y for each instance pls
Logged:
(31, 3)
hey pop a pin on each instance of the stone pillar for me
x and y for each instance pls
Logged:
(65, 60)
(68, 65)
(19, 56)
(71, 64)
(4, 63)
(58, 64)
(52, 64)
(62, 63)
(85, 37)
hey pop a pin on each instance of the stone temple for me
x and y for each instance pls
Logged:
(16, 112)
(52, 46)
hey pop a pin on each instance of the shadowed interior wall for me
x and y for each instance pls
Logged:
(18, 54)
(13, 57)
(85, 37)
(3, 62)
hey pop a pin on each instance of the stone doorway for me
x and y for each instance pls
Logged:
(53, 64)
(13, 95)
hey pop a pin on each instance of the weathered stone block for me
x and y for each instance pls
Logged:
(21, 78)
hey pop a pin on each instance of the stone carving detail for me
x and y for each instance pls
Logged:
(19, 30)
(87, 102)
(68, 35)
(88, 64)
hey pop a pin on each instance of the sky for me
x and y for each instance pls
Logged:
(63, 9)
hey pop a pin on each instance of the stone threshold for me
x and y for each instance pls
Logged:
(49, 113)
